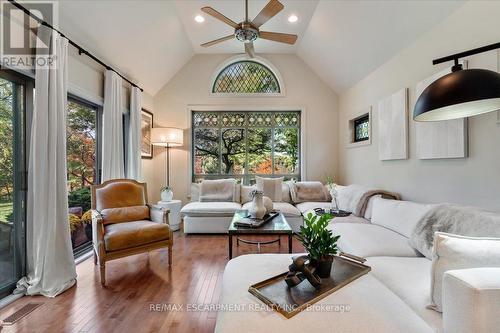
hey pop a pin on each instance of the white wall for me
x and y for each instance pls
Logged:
(474, 180)
(191, 85)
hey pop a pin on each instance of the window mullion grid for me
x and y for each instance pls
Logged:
(272, 149)
(245, 177)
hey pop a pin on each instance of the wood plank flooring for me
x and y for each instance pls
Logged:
(140, 289)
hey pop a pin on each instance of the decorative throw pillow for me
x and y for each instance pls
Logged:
(307, 192)
(459, 252)
(399, 216)
(271, 187)
(219, 190)
(246, 193)
(453, 219)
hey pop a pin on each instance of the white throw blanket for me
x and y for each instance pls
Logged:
(453, 219)
(219, 190)
(354, 198)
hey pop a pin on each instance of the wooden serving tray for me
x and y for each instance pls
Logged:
(275, 293)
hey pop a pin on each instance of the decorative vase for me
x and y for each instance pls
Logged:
(257, 209)
(167, 195)
(324, 266)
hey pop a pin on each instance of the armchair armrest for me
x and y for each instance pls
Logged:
(97, 232)
(471, 300)
(158, 214)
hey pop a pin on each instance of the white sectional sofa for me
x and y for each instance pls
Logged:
(215, 217)
(393, 297)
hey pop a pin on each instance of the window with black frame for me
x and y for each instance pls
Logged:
(245, 144)
(83, 120)
(362, 128)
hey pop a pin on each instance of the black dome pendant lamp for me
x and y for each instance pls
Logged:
(462, 93)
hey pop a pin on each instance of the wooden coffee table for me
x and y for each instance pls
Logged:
(278, 226)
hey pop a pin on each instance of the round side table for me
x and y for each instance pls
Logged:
(174, 217)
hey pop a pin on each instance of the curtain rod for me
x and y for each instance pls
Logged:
(81, 50)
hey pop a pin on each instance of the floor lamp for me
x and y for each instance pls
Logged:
(167, 137)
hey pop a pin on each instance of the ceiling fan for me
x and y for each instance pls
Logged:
(248, 31)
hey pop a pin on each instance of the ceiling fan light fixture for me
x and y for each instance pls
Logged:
(246, 34)
(293, 18)
(199, 19)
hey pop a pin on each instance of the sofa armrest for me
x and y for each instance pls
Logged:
(159, 214)
(471, 300)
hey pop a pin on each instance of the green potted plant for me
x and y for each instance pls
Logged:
(319, 242)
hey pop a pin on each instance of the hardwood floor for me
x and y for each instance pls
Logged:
(136, 285)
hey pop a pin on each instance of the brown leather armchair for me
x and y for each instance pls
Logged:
(123, 224)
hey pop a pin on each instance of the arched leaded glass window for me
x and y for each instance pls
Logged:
(246, 77)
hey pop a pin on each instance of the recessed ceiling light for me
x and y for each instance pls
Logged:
(199, 19)
(292, 18)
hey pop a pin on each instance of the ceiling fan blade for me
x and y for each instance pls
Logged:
(272, 8)
(212, 12)
(278, 37)
(216, 41)
(249, 50)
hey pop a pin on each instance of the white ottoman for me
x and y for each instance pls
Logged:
(365, 305)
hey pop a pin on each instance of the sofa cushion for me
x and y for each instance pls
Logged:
(307, 191)
(459, 252)
(285, 190)
(120, 236)
(195, 192)
(219, 190)
(400, 216)
(369, 240)
(271, 187)
(210, 208)
(124, 214)
(288, 210)
(246, 192)
(410, 279)
(369, 207)
(310, 205)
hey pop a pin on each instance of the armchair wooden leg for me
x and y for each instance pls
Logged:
(170, 255)
(95, 258)
(103, 273)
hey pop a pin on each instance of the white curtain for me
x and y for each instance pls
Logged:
(134, 136)
(50, 263)
(113, 163)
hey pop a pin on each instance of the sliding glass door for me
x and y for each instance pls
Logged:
(82, 162)
(15, 97)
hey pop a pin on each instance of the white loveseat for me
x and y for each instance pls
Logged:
(393, 297)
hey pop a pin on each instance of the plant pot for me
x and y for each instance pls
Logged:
(324, 266)
(88, 231)
(167, 195)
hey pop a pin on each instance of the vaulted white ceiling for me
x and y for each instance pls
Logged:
(342, 41)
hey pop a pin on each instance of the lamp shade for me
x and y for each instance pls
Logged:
(166, 136)
(460, 94)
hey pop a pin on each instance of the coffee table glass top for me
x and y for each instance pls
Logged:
(277, 225)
